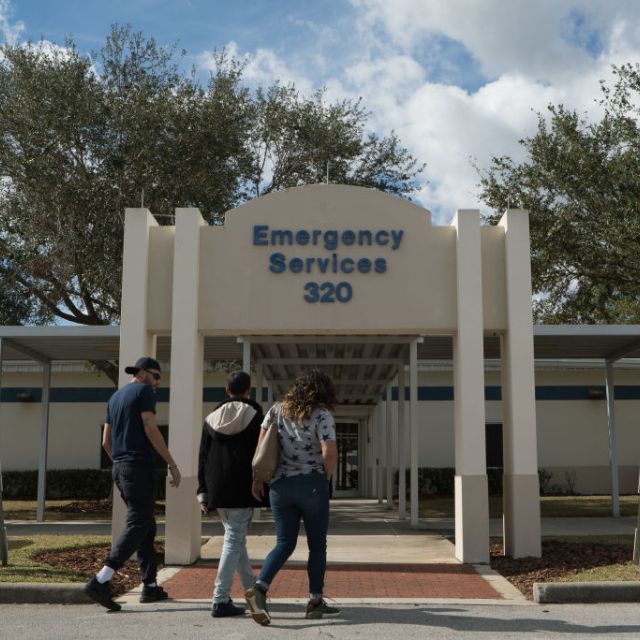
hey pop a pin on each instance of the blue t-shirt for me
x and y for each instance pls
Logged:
(129, 442)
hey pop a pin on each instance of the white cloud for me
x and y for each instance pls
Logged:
(461, 79)
(11, 31)
(262, 67)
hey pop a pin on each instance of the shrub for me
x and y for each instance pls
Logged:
(72, 484)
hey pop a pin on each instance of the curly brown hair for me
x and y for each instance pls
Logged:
(311, 390)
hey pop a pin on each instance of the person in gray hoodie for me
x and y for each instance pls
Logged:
(229, 439)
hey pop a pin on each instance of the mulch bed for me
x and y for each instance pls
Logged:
(90, 560)
(559, 559)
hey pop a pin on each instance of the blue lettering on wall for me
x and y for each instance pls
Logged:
(335, 262)
(277, 263)
(260, 237)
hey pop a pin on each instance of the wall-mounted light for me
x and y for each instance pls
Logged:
(595, 393)
(24, 396)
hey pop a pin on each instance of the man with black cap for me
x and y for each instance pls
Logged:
(129, 437)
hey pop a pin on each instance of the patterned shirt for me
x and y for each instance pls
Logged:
(300, 450)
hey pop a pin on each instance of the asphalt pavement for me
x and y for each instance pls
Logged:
(172, 620)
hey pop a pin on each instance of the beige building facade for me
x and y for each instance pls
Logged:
(330, 261)
(360, 283)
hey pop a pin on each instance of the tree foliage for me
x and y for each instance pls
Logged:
(83, 137)
(580, 182)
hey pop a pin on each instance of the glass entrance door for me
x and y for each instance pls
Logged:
(346, 477)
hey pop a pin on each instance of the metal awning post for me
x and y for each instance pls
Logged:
(613, 454)
(413, 431)
(389, 448)
(4, 546)
(259, 385)
(377, 434)
(246, 355)
(636, 540)
(402, 449)
(44, 440)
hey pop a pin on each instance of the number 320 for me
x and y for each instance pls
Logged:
(328, 292)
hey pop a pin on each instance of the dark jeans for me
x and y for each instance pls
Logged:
(307, 497)
(135, 481)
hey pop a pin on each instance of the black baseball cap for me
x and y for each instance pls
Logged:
(143, 363)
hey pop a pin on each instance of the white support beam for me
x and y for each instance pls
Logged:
(613, 453)
(44, 440)
(521, 489)
(471, 485)
(413, 431)
(27, 351)
(135, 338)
(338, 383)
(183, 519)
(322, 361)
(389, 449)
(402, 448)
(355, 339)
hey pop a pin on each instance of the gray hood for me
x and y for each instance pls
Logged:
(231, 418)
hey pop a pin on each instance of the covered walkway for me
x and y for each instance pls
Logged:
(371, 555)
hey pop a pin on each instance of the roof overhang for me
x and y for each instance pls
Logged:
(362, 366)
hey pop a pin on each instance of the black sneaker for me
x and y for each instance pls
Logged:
(153, 594)
(100, 592)
(256, 598)
(320, 609)
(226, 609)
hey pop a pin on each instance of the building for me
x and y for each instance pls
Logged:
(361, 283)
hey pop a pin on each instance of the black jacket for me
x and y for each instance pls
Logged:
(229, 439)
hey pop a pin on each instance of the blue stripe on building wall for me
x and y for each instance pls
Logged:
(425, 394)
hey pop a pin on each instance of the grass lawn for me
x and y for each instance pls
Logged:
(550, 506)
(22, 567)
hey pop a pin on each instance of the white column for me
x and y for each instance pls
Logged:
(521, 493)
(269, 394)
(135, 339)
(44, 440)
(389, 448)
(183, 522)
(613, 453)
(413, 431)
(402, 448)
(471, 486)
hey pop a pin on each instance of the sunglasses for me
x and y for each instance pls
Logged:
(156, 376)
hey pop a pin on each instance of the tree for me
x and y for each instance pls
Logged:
(82, 138)
(581, 185)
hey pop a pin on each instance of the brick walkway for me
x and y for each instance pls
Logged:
(349, 581)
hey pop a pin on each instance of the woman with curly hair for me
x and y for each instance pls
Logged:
(300, 488)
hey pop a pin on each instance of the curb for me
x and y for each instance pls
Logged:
(43, 593)
(585, 592)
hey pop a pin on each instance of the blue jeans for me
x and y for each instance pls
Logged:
(136, 483)
(234, 553)
(307, 497)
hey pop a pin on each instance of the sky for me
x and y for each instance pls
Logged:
(459, 81)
